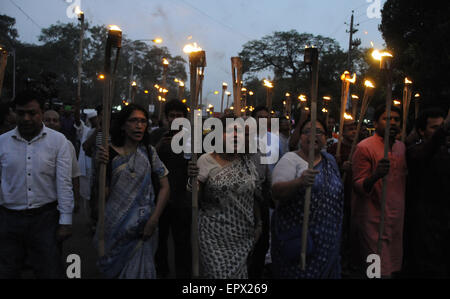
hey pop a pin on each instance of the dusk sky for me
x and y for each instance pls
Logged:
(220, 27)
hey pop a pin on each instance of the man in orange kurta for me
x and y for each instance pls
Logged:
(369, 167)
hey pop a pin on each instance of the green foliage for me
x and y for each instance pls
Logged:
(417, 33)
(51, 67)
(281, 54)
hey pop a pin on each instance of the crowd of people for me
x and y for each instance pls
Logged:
(250, 215)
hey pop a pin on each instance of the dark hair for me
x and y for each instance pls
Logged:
(99, 109)
(382, 108)
(175, 105)
(422, 119)
(319, 119)
(259, 108)
(117, 134)
(26, 96)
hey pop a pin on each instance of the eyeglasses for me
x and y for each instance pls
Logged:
(135, 121)
(318, 132)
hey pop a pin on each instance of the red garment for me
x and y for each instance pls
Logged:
(366, 207)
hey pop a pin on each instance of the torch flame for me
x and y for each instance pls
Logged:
(288, 94)
(189, 48)
(302, 98)
(224, 84)
(114, 28)
(156, 86)
(78, 10)
(355, 97)
(165, 61)
(157, 40)
(251, 93)
(407, 81)
(369, 84)
(397, 103)
(228, 93)
(133, 83)
(327, 98)
(346, 76)
(268, 84)
(347, 116)
(352, 80)
(181, 83)
(417, 95)
(324, 110)
(377, 55)
(243, 89)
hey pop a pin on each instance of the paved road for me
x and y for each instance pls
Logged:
(81, 244)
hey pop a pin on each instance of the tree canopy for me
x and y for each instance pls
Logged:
(51, 67)
(417, 33)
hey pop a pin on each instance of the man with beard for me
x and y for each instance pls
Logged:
(369, 168)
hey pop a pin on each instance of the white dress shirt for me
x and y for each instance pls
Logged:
(36, 172)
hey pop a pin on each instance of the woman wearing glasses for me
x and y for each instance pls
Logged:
(290, 179)
(132, 208)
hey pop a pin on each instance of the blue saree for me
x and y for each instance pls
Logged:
(129, 205)
(324, 231)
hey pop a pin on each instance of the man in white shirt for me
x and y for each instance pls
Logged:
(36, 198)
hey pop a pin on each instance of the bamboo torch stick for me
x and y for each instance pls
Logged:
(3, 62)
(269, 86)
(80, 67)
(236, 70)
(288, 105)
(368, 93)
(228, 98)
(114, 41)
(346, 80)
(355, 99)
(406, 102)
(224, 89)
(416, 105)
(312, 59)
(197, 59)
(385, 59)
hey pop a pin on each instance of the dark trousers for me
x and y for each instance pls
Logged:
(257, 258)
(179, 221)
(30, 238)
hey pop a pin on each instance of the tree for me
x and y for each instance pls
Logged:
(417, 35)
(8, 34)
(282, 54)
(51, 68)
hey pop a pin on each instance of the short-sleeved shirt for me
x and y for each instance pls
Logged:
(290, 167)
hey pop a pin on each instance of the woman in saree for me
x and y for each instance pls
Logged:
(228, 221)
(290, 179)
(132, 208)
